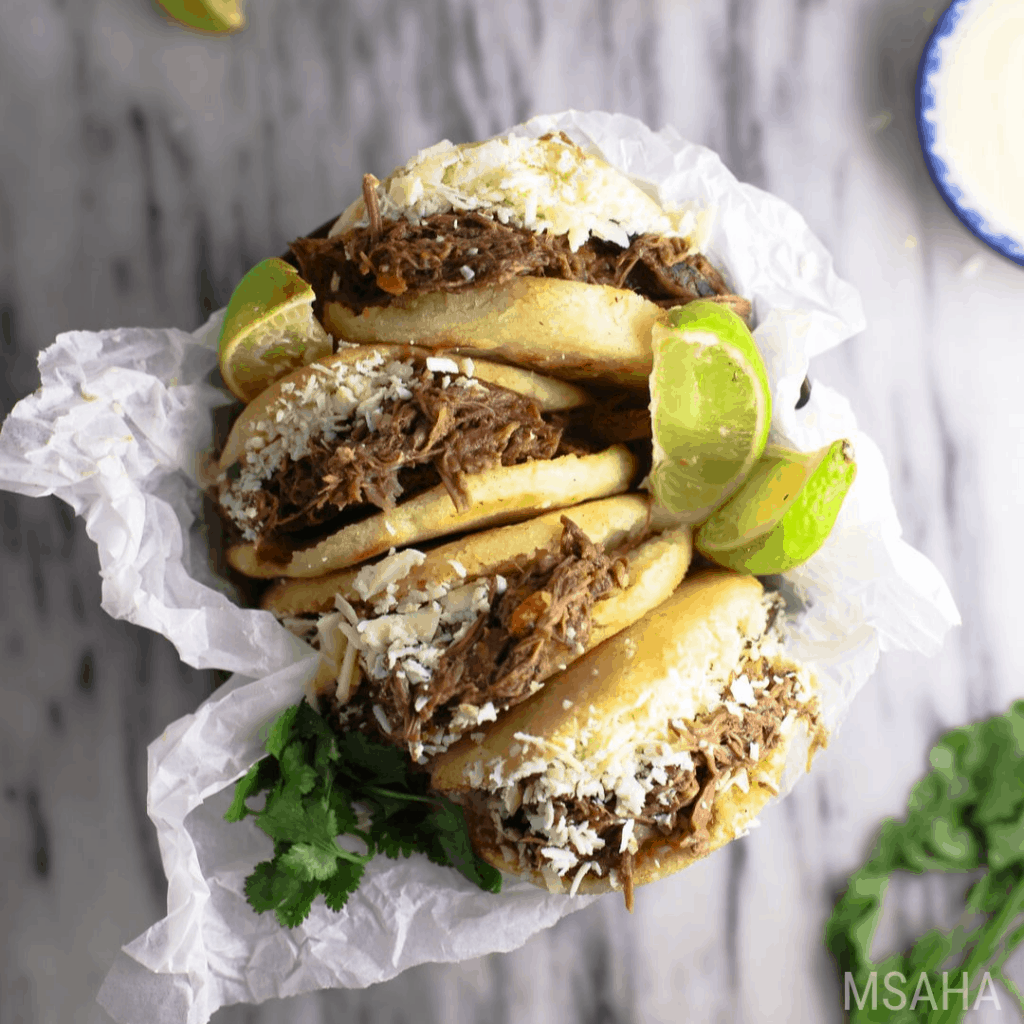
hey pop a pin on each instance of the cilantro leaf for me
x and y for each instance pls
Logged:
(295, 770)
(280, 730)
(262, 775)
(394, 838)
(309, 862)
(345, 817)
(342, 884)
(307, 723)
(268, 888)
(373, 762)
(314, 779)
(289, 818)
(449, 826)
(1005, 842)
(326, 752)
(283, 817)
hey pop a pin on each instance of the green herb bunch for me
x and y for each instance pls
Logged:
(966, 814)
(321, 785)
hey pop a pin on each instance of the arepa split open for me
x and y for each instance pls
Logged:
(653, 749)
(382, 446)
(531, 251)
(422, 648)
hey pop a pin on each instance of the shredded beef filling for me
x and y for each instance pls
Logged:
(374, 265)
(683, 803)
(542, 618)
(432, 437)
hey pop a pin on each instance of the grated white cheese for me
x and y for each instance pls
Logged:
(627, 766)
(742, 691)
(578, 877)
(408, 638)
(561, 860)
(441, 364)
(738, 779)
(627, 835)
(374, 578)
(544, 185)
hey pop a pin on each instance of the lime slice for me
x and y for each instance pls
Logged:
(782, 513)
(206, 15)
(710, 407)
(269, 329)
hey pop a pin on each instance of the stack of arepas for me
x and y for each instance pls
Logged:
(450, 509)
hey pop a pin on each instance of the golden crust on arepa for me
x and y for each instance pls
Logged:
(568, 329)
(708, 615)
(496, 496)
(609, 521)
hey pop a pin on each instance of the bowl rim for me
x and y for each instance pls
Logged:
(938, 170)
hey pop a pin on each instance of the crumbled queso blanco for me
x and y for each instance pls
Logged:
(407, 635)
(544, 185)
(621, 774)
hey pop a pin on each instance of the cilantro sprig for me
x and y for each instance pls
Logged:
(966, 814)
(321, 785)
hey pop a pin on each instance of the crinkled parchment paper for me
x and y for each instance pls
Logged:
(117, 430)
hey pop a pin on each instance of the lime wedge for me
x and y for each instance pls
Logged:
(206, 15)
(269, 329)
(782, 513)
(710, 407)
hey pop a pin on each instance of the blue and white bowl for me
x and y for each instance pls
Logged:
(943, 170)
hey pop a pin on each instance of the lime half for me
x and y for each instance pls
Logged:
(710, 407)
(783, 512)
(206, 15)
(269, 329)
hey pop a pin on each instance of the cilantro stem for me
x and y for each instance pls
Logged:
(380, 791)
(995, 929)
(356, 858)
(1009, 986)
(1012, 942)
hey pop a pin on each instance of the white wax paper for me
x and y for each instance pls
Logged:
(118, 429)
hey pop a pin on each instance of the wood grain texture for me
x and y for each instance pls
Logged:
(144, 169)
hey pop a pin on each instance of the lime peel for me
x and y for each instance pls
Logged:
(269, 329)
(710, 407)
(206, 15)
(783, 513)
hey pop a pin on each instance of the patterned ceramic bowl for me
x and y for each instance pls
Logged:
(961, 17)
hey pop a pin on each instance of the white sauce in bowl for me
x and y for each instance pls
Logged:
(980, 111)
